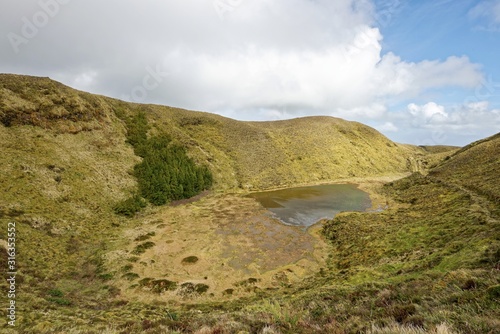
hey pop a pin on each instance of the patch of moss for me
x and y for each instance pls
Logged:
(201, 288)
(145, 236)
(494, 292)
(126, 268)
(130, 276)
(141, 248)
(130, 206)
(190, 289)
(162, 285)
(228, 292)
(190, 260)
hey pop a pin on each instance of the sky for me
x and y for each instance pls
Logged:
(421, 72)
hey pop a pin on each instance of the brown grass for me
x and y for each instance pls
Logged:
(233, 240)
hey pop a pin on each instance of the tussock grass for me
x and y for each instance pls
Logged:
(401, 329)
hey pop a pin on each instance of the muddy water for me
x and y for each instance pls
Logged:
(304, 206)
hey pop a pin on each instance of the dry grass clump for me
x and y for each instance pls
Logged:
(396, 328)
(48, 104)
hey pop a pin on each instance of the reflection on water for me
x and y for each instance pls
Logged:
(304, 206)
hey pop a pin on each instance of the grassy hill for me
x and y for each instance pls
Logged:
(66, 163)
(248, 155)
(434, 256)
(475, 167)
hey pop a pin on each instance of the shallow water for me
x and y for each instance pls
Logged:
(304, 206)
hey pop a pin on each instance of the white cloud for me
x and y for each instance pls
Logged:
(259, 59)
(469, 116)
(322, 56)
(364, 113)
(436, 124)
(399, 77)
(487, 14)
(430, 113)
(387, 127)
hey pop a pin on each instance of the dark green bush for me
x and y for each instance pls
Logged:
(166, 173)
(137, 129)
(105, 277)
(57, 296)
(130, 206)
(494, 292)
(126, 268)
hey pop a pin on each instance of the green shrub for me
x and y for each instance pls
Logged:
(60, 301)
(201, 288)
(130, 276)
(166, 172)
(494, 292)
(161, 285)
(105, 277)
(57, 296)
(228, 292)
(137, 129)
(145, 236)
(139, 249)
(130, 206)
(127, 268)
(56, 293)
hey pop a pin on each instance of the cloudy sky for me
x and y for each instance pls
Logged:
(422, 72)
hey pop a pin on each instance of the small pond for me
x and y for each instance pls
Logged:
(304, 206)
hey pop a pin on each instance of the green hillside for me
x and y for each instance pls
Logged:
(475, 167)
(248, 155)
(434, 256)
(219, 263)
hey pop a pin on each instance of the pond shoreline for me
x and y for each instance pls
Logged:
(350, 180)
(305, 206)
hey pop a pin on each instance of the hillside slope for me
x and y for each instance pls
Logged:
(434, 255)
(476, 167)
(248, 155)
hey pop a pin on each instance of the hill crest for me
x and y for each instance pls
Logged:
(246, 155)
